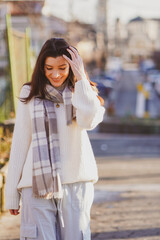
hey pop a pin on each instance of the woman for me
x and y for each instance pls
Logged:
(52, 166)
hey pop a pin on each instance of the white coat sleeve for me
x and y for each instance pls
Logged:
(89, 112)
(20, 144)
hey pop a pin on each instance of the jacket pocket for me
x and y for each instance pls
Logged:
(28, 231)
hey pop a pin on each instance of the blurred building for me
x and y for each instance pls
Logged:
(138, 38)
(90, 38)
(117, 39)
(83, 36)
(29, 14)
(143, 37)
(24, 14)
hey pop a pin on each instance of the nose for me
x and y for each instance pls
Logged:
(55, 74)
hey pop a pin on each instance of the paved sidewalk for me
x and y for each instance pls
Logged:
(126, 205)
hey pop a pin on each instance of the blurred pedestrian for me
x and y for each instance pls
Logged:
(52, 168)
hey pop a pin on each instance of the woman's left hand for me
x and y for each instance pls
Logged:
(76, 63)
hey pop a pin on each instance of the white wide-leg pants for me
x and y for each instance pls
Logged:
(66, 219)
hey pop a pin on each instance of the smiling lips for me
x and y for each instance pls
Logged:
(55, 79)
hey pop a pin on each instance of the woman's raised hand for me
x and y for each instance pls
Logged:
(76, 63)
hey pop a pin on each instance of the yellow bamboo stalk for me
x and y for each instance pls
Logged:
(10, 47)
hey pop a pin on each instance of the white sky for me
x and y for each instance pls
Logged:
(128, 9)
(85, 10)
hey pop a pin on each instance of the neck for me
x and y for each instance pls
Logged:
(61, 87)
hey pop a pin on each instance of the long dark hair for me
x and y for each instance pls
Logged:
(53, 47)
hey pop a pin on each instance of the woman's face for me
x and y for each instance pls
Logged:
(56, 70)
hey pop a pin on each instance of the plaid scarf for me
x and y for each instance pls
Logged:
(46, 179)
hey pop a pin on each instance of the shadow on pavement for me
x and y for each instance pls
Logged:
(127, 234)
(143, 176)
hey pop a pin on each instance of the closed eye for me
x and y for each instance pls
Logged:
(51, 68)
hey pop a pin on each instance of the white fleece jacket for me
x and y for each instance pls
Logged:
(78, 162)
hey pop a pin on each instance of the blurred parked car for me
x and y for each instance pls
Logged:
(104, 83)
(147, 65)
(114, 64)
(115, 67)
(153, 77)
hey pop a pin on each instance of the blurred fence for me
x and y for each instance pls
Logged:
(18, 70)
(19, 57)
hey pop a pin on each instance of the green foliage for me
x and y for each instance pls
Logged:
(5, 145)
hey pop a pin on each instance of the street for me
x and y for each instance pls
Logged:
(125, 145)
(126, 203)
(125, 95)
(127, 199)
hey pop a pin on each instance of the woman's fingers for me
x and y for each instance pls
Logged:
(67, 58)
(72, 54)
(76, 63)
(14, 211)
(72, 63)
(74, 51)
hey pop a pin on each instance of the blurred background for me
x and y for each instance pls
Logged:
(119, 41)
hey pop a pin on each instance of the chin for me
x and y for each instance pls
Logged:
(56, 84)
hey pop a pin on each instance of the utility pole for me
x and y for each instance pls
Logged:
(101, 28)
(70, 4)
